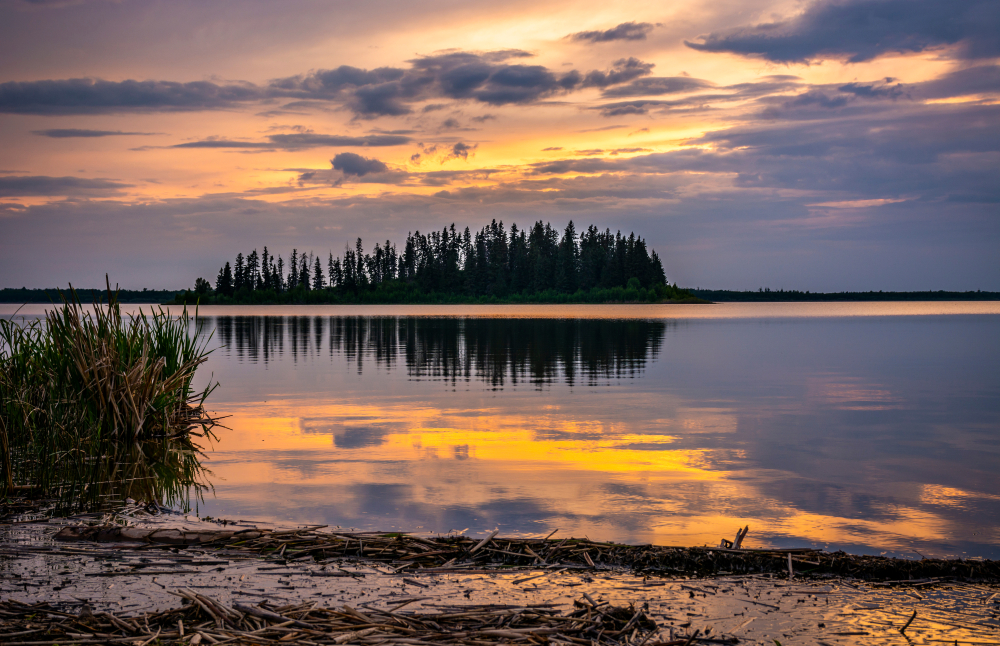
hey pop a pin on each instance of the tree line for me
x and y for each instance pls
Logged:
(493, 263)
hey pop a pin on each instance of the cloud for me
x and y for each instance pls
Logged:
(354, 164)
(44, 186)
(63, 133)
(637, 107)
(624, 31)
(488, 77)
(933, 154)
(769, 85)
(882, 90)
(860, 30)
(460, 150)
(299, 141)
(984, 79)
(657, 86)
(453, 124)
(95, 96)
(817, 97)
(622, 71)
(492, 78)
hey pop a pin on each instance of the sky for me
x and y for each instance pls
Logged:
(821, 145)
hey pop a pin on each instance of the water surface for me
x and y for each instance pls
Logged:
(871, 427)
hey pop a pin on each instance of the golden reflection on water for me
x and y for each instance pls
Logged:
(435, 458)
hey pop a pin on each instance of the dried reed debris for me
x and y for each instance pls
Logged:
(457, 554)
(201, 619)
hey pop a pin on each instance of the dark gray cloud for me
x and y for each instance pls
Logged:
(95, 96)
(298, 141)
(936, 153)
(490, 77)
(493, 78)
(984, 79)
(41, 185)
(624, 31)
(860, 30)
(768, 85)
(354, 164)
(817, 97)
(64, 133)
(883, 90)
(461, 150)
(657, 86)
(636, 107)
(622, 71)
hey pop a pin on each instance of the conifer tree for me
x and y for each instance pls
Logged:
(337, 274)
(304, 271)
(252, 271)
(317, 275)
(224, 283)
(265, 266)
(567, 273)
(239, 279)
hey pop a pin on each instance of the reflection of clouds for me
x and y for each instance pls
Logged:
(806, 430)
(400, 464)
(351, 432)
(847, 393)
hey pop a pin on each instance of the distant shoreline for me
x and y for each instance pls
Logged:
(787, 296)
(44, 296)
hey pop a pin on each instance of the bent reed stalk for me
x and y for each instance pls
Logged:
(96, 407)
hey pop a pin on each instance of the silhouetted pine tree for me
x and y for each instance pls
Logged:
(304, 271)
(224, 283)
(317, 275)
(253, 271)
(293, 270)
(239, 279)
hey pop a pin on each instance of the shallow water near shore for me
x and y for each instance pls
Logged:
(869, 427)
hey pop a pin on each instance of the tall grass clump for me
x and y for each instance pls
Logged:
(97, 406)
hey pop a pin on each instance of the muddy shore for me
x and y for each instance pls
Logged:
(516, 589)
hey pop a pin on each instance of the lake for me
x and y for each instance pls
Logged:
(868, 427)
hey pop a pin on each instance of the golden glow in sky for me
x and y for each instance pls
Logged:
(217, 128)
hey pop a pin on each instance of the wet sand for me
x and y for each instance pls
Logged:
(132, 579)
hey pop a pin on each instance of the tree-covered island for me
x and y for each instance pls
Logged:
(493, 265)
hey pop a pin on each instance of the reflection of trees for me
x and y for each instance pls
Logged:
(495, 351)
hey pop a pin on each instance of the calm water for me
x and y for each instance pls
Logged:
(872, 427)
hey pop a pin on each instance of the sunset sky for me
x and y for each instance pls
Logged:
(801, 145)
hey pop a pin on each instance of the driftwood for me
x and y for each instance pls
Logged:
(453, 553)
(202, 620)
(119, 534)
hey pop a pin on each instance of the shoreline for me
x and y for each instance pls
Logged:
(90, 592)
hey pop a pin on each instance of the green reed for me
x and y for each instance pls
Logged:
(96, 407)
